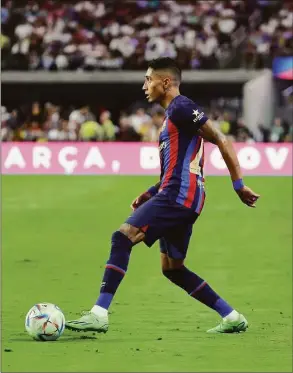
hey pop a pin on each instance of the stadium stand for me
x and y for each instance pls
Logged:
(108, 35)
(88, 35)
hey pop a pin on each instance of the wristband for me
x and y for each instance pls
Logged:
(238, 184)
(152, 190)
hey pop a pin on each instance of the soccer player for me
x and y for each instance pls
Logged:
(168, 210)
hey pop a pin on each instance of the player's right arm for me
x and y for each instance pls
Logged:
(210, 133)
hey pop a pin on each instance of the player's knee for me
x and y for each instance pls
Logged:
(119, 239)
(134, 234)
(173, 273)
(172, 269)
(167, 272)
(170, 265)
(176, 264)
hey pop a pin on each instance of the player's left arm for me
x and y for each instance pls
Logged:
(210, 133)
(145, 196)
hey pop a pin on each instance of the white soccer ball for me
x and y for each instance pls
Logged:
(45, 322)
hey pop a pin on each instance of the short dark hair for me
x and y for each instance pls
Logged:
(166, 63)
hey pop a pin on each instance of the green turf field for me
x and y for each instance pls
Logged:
(56, 234)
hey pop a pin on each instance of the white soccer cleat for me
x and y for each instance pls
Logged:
(226, 326)
(89, 322)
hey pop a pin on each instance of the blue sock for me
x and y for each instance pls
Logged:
(105, 300)
(116, 268)
(198, 289)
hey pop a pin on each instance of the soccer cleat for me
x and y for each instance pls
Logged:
(89, 322)
(226, 326)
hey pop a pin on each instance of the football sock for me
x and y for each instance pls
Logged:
(233, 316)
(198, 289)
(116, 268)
(99, 311)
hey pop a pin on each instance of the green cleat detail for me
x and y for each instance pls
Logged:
(89, 322)
(226, 326)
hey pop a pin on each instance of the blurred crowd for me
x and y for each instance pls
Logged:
(50, 122)
(88, 35)
(272, 37)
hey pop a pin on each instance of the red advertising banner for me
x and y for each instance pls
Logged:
(133, 159)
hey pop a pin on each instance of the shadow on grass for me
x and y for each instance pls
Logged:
(62, 339)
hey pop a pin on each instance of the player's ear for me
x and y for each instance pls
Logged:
(166, 83)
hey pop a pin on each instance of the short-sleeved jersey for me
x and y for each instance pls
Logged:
(182, 153)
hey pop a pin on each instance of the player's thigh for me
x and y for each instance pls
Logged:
(137, 224)
(154, 218)
(175, 243)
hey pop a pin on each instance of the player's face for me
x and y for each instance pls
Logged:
(155, 86)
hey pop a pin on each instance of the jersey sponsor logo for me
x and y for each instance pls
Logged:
(198, 116)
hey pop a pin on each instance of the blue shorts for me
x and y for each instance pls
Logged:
(162, 218)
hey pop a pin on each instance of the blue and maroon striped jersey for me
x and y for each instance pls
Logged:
(182, 153)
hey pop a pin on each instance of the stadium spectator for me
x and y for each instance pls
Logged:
(155, 126)
(242, 133)
(91, 131)
(36, 113)
(33, 132)
(262, 134)
(224, 124)
(277, 131)
(139, 119)
(79, 116)
(108, 126)
(8, 124)
(52, 116)
(61, 132)
(126, 131)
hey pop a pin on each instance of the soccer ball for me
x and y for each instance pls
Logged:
(45, 322)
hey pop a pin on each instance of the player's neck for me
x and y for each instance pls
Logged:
(169, 97)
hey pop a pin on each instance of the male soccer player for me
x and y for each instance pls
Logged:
(168, 210)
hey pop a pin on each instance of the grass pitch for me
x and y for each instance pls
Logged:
(55, 241)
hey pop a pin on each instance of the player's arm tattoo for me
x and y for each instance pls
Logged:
(210, 133)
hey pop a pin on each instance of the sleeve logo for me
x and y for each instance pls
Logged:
(198, 115)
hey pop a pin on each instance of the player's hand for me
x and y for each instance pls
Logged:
(248, 196)
(142, 198)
